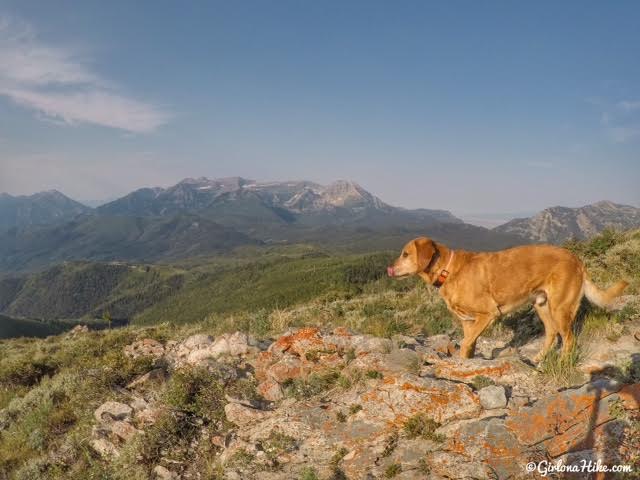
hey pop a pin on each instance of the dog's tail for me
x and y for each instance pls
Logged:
(603, 298)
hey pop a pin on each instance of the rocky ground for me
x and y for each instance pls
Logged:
(335, 404)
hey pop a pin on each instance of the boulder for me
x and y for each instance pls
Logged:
(398, 397)
(104, 448)
(78, 330)
(493, 396)
(163, 473)
(270, 390)
(144, 348)
(236, 344)
(575, 419)
(300, 342)
(113, 411)
(123, 430)
(199, 340)
(200, 349)
(288, 367)
(489, 442)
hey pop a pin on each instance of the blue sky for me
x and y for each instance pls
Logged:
(468, 106)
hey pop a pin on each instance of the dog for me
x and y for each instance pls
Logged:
(479, 287)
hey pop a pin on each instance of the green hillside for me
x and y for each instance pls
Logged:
(255, 280)
(90, 289)
(19, 327)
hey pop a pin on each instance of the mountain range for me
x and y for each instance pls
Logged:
(559, 224)
(204, 216)
(41, 208)
(236, 201)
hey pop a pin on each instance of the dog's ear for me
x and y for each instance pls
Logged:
(425, 250)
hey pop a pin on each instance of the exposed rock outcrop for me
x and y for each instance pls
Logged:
(365, 407)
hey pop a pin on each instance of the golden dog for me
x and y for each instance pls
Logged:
(479, 287)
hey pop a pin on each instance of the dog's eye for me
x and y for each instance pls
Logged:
(405, 254)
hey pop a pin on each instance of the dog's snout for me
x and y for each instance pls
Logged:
(390, 271)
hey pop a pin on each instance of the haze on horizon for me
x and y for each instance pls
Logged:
(472, 108)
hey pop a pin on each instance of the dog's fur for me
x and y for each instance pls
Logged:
(482, 286)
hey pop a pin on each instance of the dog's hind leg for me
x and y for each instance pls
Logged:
(564, 308)
(565, 315)
(550, 330)
(472, 330)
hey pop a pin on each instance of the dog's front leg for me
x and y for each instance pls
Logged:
(468, 344)
(472, 330)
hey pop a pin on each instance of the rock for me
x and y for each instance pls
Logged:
(397, 398)
(78, 330)
(270, 390)
(138, 404)
(574, 419)
(517, 401)
(465, 370)
(144, 348)
(200, 349)
(104, 447)
(231, 344)
(155, 376)
(441, 343)
(123, 430)
(199, 340)
(488, 442)
(452, 465)
(162, 473)
(242, 415)
(299, 342)
(396, 362)
(369, 344)
(149, 416)
(288, 367)
(609, 354)
(493, 396)
(113, 411)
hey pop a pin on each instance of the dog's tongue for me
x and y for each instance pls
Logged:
(390, 271)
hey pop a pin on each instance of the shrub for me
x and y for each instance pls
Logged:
(421, 425)
(241, 459)
(25, 371)
(480, 381)
(308, 473)
(278, 443)
(195, 391)
(392, 470)
(563, 369)
(315, 384)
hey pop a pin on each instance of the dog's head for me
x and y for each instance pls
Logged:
(414, 258)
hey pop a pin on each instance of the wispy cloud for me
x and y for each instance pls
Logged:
(621, 120)
(58, 83)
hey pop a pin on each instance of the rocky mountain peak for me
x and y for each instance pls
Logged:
(559, 224)
(342, 193)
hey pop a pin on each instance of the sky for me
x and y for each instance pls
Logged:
(475, 107)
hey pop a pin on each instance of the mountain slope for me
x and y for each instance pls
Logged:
(559, 224)
(38, 209)
(89, 289)
(20, 327)
(107, 237)
(241, 202)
